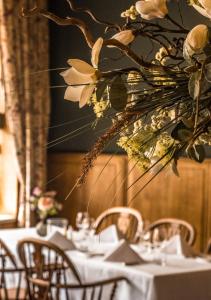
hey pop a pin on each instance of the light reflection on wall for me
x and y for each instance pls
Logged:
(8, 177)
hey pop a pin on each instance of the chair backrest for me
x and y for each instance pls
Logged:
(8, 267)
(128, 221)
(51, 275)
(167, 227)
(47, 267)
(208, 249)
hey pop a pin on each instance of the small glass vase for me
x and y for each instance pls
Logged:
(41, 227)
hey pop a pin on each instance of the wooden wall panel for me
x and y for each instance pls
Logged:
(183, 197)
(96, 193)
(187, 197)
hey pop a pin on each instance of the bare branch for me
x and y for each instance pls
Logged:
(134, 57)
(37, 10)
(75, 8)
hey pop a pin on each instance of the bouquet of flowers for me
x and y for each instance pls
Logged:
(159, 104)
(44, 203)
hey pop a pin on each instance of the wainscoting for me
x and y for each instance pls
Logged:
(187, 197)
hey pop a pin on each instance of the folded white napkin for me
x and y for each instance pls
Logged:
(125, 254)
(61, 241)
(177, 245)
(109, 234)
(53, 228)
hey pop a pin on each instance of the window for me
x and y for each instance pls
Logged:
(8, 178)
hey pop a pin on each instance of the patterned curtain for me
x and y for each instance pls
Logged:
(24, 52)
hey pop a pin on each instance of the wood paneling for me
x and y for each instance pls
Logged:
(11, 223)
(184, 197)
(96, 194)
(187, 197)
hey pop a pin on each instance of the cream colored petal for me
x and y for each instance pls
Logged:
(161, 4)
(197, 38)
(207, 5)
(147, 17)
(86, 95)
(202, 11)
(73, 93)
(152, 9)
(81, 66)
(72, 77)
(96, 52)
(145, 7)
(125, 37)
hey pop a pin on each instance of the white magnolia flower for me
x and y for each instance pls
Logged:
(196, 39)
(81, 78)
(204, 8)
(125, 37)
(96, 52)
(150, 9)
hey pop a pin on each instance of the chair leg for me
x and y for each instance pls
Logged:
(18, 287)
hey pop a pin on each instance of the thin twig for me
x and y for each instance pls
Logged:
(37, 10)
(75, 8)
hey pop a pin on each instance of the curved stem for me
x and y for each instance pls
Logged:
(75, 8)
(176, 24)
(134, 57)
(37, 10)
(160, 28)
(154, 38)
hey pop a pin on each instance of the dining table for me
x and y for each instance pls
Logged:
(178, 278)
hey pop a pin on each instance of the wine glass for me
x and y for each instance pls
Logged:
(82, 221)
(84, 225)
(57, 224)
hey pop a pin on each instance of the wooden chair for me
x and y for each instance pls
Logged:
(128, 221)
(51, 274)
(208, 249)
(166, 228)
(8, 267)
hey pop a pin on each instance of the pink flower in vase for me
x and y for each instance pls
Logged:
(45, 204)
(37, 191)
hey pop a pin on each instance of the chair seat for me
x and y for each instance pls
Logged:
(12, 294)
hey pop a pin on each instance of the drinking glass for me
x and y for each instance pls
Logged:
(83, 221)
(57, 224)
(84, 225)
(145, 241)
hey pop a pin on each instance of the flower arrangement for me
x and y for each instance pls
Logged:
(44, 203)
(160, 106)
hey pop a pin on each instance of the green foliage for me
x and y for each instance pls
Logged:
(196, 153)
(118, 93)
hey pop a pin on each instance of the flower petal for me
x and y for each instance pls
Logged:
(197, 38)
(152, 9)
(73, 93)
(73, 77)
(86, 94)
(162, 7)
(81, 66)
(125, 37)
(145, 7)
(202, 11)
(148, 17)
(96, 52)
(207, 5)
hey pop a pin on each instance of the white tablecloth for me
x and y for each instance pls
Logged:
(180, 279)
